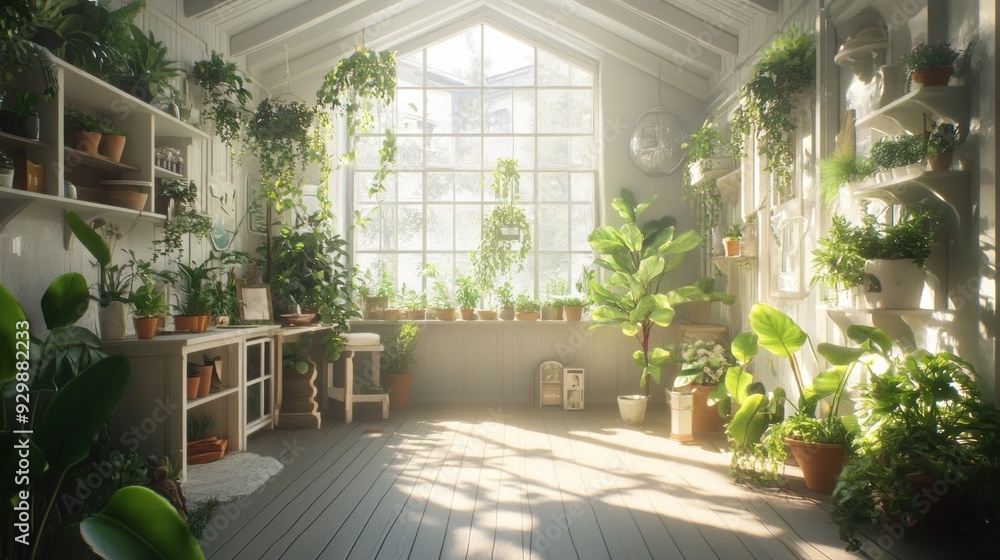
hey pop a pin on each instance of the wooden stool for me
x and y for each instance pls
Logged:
(357, 342)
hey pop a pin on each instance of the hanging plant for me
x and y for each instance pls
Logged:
(225, 100)
(187, 221)
(506, 233)
(279, 135)
(766, 112)
(355, 90)
(704, 145)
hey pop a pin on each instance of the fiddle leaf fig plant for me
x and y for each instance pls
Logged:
(636, 261)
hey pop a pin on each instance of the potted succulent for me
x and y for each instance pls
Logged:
(6, 170)
(941, 144)
(703, 364)
(526, 308)
(399, 355)
(732, 240)
(637, 260)
(148, 303)
(573, 307)
(467, 294)
(86, 129)
(505, 297)
(18, 115)
(930, 64)
(112, 141)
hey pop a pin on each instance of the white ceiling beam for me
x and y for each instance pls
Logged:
(767, 6)
(391, 29)
(526, 13)
(198, 8)
(288, 23)
(643, 31)
(713, 35)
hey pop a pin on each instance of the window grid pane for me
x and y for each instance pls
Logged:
(458, 110)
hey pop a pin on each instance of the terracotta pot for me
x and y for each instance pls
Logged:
(188, 323)
(445, 314)
(938, 76)
(399, 389)
(821, 463)
(572, 313)
(705, 419)
(940, 162)
(551, 313)
(206, 320)
(161, 323)
(205, 384)
(468, 314)
(111, 146)
(945, 506)
(193, 385)
(415, 315)
(145, 327)
(507, 314)
(486, 315)
(732, 247)
(527, 315)
(390, 315)
(86, 142)
(374, 307)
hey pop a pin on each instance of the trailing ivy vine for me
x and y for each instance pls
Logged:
(357, 89)
(225, 100)
(185, 221)
(786, 70)
(280, 136)
(506, 233)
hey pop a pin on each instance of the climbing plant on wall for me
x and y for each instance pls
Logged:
(766, 113)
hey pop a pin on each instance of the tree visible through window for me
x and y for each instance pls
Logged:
(461, 104)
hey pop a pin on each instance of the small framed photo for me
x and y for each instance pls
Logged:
(255, 304)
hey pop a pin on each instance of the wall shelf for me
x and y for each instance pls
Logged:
(715, 168)
(725, 264)
(15, 141)
(949, 103)
(191, 403)
(161, 173)
(729, 187)
(14, 201)
(944, 189)
(900, 324)
(98, 162)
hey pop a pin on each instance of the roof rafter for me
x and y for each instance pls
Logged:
(289, 23)
(710, 34)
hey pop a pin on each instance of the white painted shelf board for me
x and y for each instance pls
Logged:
(949, 103)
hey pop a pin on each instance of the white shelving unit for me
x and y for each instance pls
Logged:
(550, 384)
(574, 384)
(258, 385)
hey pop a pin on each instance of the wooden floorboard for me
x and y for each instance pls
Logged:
(510, 482)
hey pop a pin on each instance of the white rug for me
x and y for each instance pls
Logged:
(232, 477)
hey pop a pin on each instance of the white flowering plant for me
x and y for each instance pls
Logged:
(703, 363)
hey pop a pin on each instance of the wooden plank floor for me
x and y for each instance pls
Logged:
(485, 481)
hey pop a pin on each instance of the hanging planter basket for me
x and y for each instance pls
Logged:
(510, 233)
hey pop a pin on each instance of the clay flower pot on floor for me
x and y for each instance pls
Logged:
(399, 385)
(821, 463)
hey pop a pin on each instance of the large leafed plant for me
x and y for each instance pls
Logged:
(636, 260)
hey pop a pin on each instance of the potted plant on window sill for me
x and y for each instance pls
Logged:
(396, 363)
(732, 240)
(930, 64)
(573, 308)
(442, 300)
(505, 297)
(467, 295)
(637, 260)
(526, 308)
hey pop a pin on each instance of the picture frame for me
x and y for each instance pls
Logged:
(255, 304)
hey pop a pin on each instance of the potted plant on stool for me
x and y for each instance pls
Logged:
(399, 355)
(930, 64)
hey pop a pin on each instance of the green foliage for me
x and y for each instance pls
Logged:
(524, 304)
(920, 414)
(147, 300)
(506, 233)
(703, 363)
(192, 283)
(505, 295)
(942, 139)
(78, 120)
(186, 221)
(842, 168)
(636, 260)
(182, 190)
(17, 52)
(786, 70)
(5, 161)
(932, 55)
(357, 88)
(400, 353)
(837, 261)
(898, 151)
(100, 40)
(21, 102)
(225, 100)
(200, 517)
(114, 281)
(467, 292)
(198, 425)
(139, 523)
(735, 230)
(911, 238)
(573, 301)
(144, 69)
(704, 145)
(279, 135)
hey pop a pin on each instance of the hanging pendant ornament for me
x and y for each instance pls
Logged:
(655, 143)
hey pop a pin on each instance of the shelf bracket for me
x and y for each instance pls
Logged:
(11, 209)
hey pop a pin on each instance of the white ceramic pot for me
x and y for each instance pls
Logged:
(6, 178)
(893, 284)
(632, 408)
(112, 321)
